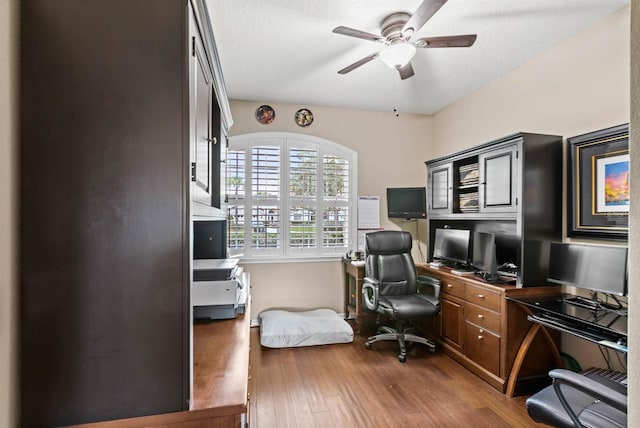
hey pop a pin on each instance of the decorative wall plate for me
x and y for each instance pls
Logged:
(304, 117)
(265, 114)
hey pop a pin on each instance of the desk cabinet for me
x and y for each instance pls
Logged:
(497, 188)
(440, 190)
(452, 314)
(488, 181)
(475, 184)
(502, 187)
(483, 331)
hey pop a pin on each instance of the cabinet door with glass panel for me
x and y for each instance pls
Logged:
(498, 180)
(440, 189)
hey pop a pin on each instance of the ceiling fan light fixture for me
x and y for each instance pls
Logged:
(398, 55)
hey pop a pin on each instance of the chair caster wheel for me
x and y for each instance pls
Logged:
(402, 358)
(432, 350)
(367, 345)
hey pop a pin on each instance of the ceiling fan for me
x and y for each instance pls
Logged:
(397, 31)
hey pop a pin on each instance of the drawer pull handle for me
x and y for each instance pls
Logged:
(480, 296)
(481, 316)
(481, 331)
(449, 286)
(479, 337)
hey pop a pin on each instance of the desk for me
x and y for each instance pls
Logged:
(353, 279)
(552, 312)
(488, 334)
(606, 327)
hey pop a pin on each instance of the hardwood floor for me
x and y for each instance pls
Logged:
(348, 386)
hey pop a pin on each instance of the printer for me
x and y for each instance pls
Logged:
(219, 289)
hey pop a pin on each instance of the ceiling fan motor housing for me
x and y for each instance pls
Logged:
(392, 27)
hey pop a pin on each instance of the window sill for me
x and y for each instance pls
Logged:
(289, 259)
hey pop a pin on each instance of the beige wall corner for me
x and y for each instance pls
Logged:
(8, 213)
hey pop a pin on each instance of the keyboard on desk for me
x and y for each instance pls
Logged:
(574, 327)
(508, 273)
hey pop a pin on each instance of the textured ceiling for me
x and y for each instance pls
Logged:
(285, 51)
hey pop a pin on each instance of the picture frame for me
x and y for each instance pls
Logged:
(598, 184)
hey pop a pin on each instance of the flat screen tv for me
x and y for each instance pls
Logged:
(593, 267)
(451, 246)
(406, 202)
(483, 253)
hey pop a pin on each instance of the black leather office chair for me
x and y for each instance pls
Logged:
(390, 288)
(577, 400)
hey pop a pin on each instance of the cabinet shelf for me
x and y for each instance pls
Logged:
(468, 186)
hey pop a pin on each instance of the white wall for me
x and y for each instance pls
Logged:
(581, 85)
(8, 210)
(391, 153)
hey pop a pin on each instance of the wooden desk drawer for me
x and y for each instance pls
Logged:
(482, 346)
(483, 317)
(455, 288)
(484, 297)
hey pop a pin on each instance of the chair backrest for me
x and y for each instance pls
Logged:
(388, 259)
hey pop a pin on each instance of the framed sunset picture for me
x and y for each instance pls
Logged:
(598, 184)
(612, 184)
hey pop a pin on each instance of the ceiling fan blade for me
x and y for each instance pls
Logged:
(357, 64)
(462, 41)
(425, 11)
(406, 71)
(357, 33)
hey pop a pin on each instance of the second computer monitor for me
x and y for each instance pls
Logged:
(483, 254)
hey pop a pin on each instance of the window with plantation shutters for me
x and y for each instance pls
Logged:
(289, 196)
(335, 228)
(236, 192)
(303, 191)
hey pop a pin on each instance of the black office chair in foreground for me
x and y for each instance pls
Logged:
(577, 400)
(390, 288)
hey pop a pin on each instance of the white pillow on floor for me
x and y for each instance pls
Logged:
(284, 329)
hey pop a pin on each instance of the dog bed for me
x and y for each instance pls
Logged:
(285, 329)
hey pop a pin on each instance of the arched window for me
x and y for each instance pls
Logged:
(290, 195)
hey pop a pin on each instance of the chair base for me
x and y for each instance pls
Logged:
(402, 336)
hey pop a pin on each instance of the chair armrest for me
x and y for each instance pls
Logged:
(589, 386)
(428, 281)
(370, 293)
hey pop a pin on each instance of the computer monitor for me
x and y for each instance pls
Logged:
(483, 254)
(210, 239)
(600, 268)
(452, 246)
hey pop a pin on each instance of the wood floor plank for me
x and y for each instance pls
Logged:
(297, 393)
(323, 420)
(264, 399)
(321, 375)
(349, 386)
